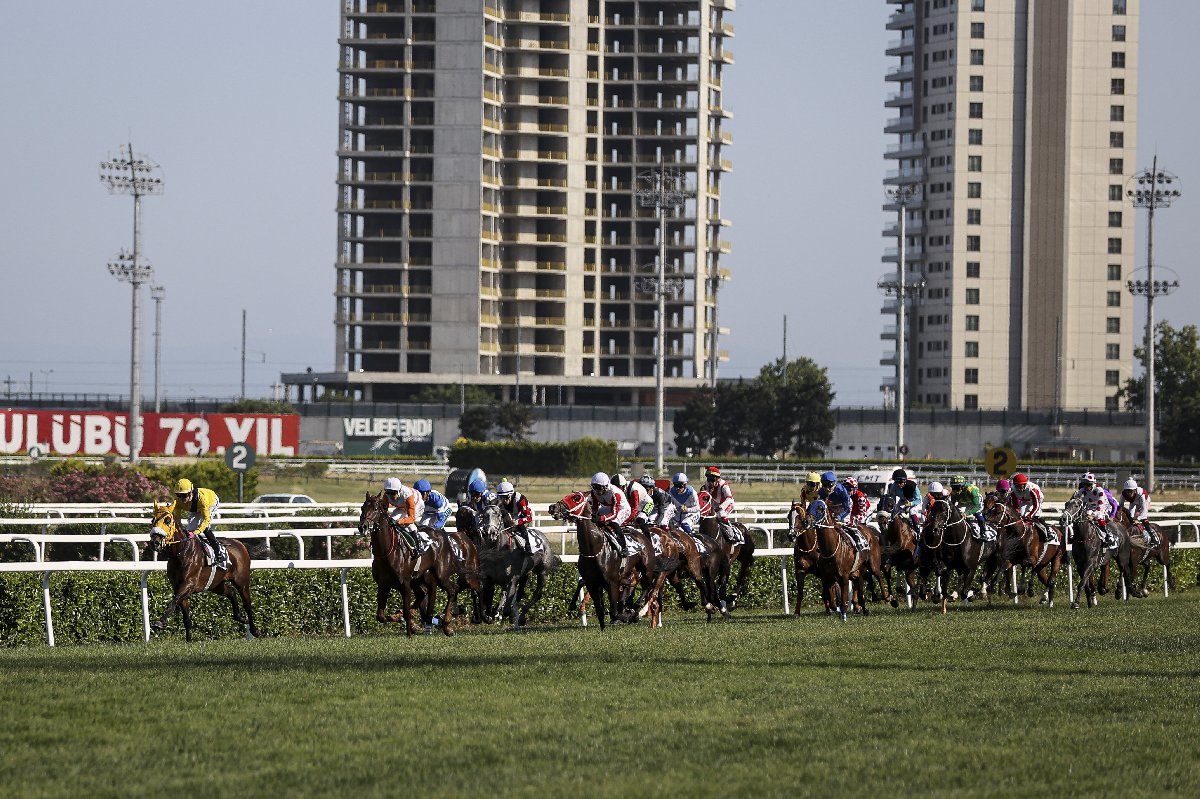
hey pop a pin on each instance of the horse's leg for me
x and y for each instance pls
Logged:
(406, 593)
(172, 605)
(450, 586)
(185, 605)
(243, 587)
(539, 585)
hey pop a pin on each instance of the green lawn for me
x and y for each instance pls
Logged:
(998, 701)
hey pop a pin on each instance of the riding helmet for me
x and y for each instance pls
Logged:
(899, 475)
(1020, 479)
(850, 483)
(505, 489)
(958, 481)
(1088, 479)
(936, 488)
(477, 486)
(1131, 485)
(647, 481)
(712, 471)
(618, 480)
(680, 479)
(600, 481)
(422, 486)
(184, 486)
(392, 484)
(829, 478)
(1003, 485)
(813, 478)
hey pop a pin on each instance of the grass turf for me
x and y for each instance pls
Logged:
(997, 701)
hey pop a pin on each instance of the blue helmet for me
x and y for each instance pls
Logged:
(680, 479)
(422, 486)
(477, 486)
(829, 478)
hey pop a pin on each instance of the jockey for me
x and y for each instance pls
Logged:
(1086, 483)
(193, 510)
(722, 498)
(1026, 500)
(1098, 511)
(610, 508)
(437, 507)
(517, 507)
(685, 505)
(1003, 490)
(811, 490)
(659, 503)
(840, 504)
(936, 491)
(1136, 500)
(860, 509)
(639, 501)
(907, 494)
(966, 495)
(404, 508)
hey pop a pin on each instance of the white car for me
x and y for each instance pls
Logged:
(285, 499)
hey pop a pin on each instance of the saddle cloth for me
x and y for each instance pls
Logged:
(632, 545)
(534, 541)
(989, 533)
(853, 539)
(656, 541)
(458, 555)
(210, 558)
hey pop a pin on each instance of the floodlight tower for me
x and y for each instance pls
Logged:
(128, 173)
(158, 294)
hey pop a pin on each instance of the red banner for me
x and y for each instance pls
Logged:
(103, 433)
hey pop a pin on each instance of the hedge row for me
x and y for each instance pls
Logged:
(568, 459)
(90, 607)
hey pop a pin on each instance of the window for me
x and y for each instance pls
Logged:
(975, 190)
(1112, 352)
(975, 111)
(976, 83)
(1112, 324)
(977, 5)
(974, 163)
(1114, 271)
(1116, 113)
(972, 349)
(1118, 86)
(973, 244)
(972, 322)
(1114, 246)
(1112, 377)
(976, 58)
(1114, 218)
(972, 297)
(971, 376)
(975, 216)
(1118, 6)
(1118, 60)
(1116, 166)
(975, 136)
(972, 268)
(1118, 33)
(971, 402)
(1116, 138)
(1114, 299)
(1114, 192)
(976, 30)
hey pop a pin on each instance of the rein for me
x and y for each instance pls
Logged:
(828, 526)
(940, 526)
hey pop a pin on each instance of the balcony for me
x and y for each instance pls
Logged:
(895, 177)
(900, 72)
(908, 149)
(888, 359)
(900, 124)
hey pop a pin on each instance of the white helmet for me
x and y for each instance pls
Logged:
(679, 479)
(505, 489)
(1131, 484)
(600, 481)
(911, 474)
(619, 480)
(936, 488)
(392, 484)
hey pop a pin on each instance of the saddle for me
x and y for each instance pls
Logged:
(210, 557)
(857, 541)
(700, 547)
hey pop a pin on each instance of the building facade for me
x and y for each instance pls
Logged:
(1015, 136)
(490, 227)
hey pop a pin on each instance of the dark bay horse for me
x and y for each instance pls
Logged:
(395, 566)
(805, 557)
(678, 556)
(188, 573)
(505, 564)
(1020, 544)
(898, 545)
(602, 568)
(1089, 553)
(840, 563)
(947, 545)
(743, 553)
(1143, 553)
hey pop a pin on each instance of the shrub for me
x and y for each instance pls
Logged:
(580, 457)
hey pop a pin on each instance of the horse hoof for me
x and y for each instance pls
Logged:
(1074, 606)
(157, 626)
(446, 630)
(895, 602)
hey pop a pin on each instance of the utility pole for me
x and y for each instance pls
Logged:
(158, 293)
(242, 396)
(902, 196)
(138, 176)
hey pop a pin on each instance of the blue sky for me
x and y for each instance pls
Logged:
(240, 110)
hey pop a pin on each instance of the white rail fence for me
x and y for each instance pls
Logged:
(767, 519)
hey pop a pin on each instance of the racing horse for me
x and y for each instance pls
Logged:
(395, 566)
(188, 573)
(840, 563)
(1089, 553)
(742, 553)
(805, 558)
(680, 555)
(948, 546)
(1143, 552)
(604, 571)
(898, 544)
(1020, 544)
(505, 564)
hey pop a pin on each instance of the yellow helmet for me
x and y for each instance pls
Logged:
(184, 486)
(813, 477)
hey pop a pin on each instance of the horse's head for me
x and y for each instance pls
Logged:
(795, 521)
(574, 505)
(705, 500)
(1073, 512)
(164, 532)
(491, 524)
(818, 514)
(372, 513)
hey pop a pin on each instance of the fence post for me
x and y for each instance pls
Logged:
(783, 577)
(345, 605)
(145, 608)
(46, 607)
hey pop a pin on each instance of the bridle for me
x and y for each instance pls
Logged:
(796, 515)
(940, 525)
(812, 520)
(368, 525)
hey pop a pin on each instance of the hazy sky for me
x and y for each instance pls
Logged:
(237, 102)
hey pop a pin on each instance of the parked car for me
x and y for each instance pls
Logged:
(285, 499)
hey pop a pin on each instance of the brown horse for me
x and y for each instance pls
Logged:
(188, 573)
(395, 565)
(840, 563)
(1021, 544)
(805, 557)
(898, 544)
(601, 566)
(947, 545)
(694, 556)
(742, 553)
(1143, 552)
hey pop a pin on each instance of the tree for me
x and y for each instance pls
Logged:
(514, 419)
(695, 422)
(476, 422)
(1176, 388)
(447, 394)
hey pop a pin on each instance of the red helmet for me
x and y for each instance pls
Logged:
(712, 471)
(1020, 479)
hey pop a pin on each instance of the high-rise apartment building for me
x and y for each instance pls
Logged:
(489, 225)
(1015, 132)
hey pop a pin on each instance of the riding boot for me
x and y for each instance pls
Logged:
(620, 534)
(218, 559)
